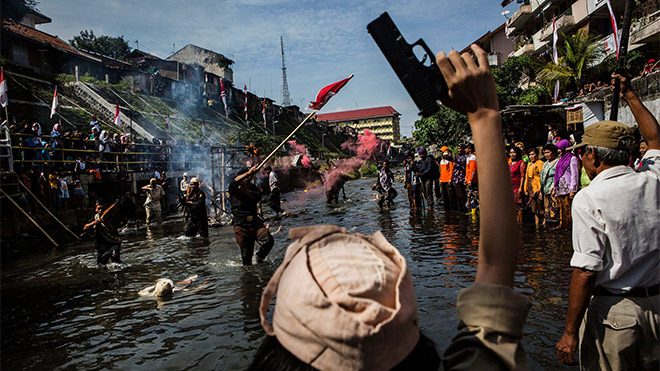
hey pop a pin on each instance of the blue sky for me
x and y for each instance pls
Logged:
(324, 40)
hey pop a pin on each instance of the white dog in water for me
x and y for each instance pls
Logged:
(165, 287)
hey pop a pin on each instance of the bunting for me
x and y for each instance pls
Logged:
(263, 110)
(245, 109)
(4, 99)
(615, 29)
(117, 120)
(223, 95)
(55, 104)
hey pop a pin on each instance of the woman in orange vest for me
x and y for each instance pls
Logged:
(446, 172)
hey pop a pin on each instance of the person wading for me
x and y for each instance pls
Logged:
(428, 172)
(197, 218)
(108, 242)
(152, 205)
(274, 186)
(249, 227)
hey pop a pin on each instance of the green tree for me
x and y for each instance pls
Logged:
(513, 79)
(578, 52)
(445, 127)
(17, 9)
(115, 47)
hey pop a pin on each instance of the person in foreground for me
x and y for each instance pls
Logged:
(346, 301)
(613, 301)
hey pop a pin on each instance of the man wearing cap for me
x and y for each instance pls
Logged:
(183, 186)
(195, 202)
(249, 228)
(152, 204)
(616, 243)
(446, 172)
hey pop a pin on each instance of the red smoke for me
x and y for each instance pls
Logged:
(300, 149)
(365, 147)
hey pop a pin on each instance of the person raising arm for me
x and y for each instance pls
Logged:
(491, 314)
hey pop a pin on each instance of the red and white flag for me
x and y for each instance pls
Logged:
(223, 95)
(327, 92)
(245, 109)
(615, 29)
(555, 56)
(117, 120)
(263, 110)
(56, 103)
(4, 99)
(555, 38)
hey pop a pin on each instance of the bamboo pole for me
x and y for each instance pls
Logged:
(252, 172)
(48, 211)
(285, 140)
(30, 218)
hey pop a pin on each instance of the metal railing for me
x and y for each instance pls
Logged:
(64, 153)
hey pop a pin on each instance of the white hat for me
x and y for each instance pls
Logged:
(344, 301)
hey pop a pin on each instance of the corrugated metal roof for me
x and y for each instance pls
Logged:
(42, 38)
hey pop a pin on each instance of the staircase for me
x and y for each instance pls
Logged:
(139, 124)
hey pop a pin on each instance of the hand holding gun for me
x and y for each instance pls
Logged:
(424, 83)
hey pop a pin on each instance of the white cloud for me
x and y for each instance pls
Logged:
(324, 41)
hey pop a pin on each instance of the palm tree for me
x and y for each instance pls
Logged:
(579, 52)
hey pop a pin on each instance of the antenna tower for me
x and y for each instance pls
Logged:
(286, 98)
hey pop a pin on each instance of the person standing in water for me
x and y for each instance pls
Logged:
(152, 205)
(108, 242)
(197, 217)
(249, 227)
(385, 185)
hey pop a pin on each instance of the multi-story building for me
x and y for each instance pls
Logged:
(497, 44)
(382, 121)
(531, 25)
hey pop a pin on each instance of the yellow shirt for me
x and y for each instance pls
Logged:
(533, 177)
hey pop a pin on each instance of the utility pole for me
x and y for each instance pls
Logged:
(286, 98)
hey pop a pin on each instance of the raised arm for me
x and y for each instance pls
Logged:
(472, 91)
(647, 123)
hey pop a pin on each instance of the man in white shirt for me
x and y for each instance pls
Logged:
(183, 186)
(152, 205)
(616, 243)
(274, 186)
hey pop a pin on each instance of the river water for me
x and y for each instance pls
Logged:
(61, 312)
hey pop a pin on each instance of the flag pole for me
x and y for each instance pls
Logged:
(285, 140)
(621, 63)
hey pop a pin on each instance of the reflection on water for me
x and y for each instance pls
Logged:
(60, 311)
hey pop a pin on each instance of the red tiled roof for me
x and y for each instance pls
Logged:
(358, 114)
(41, 37)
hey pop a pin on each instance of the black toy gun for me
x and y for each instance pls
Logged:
(424, 82)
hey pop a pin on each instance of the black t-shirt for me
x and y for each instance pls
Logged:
(244, 198)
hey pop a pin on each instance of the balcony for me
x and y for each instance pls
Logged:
(646, 29)
(538, 42)
(563, 23)
(523, 50)
(520, 17)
